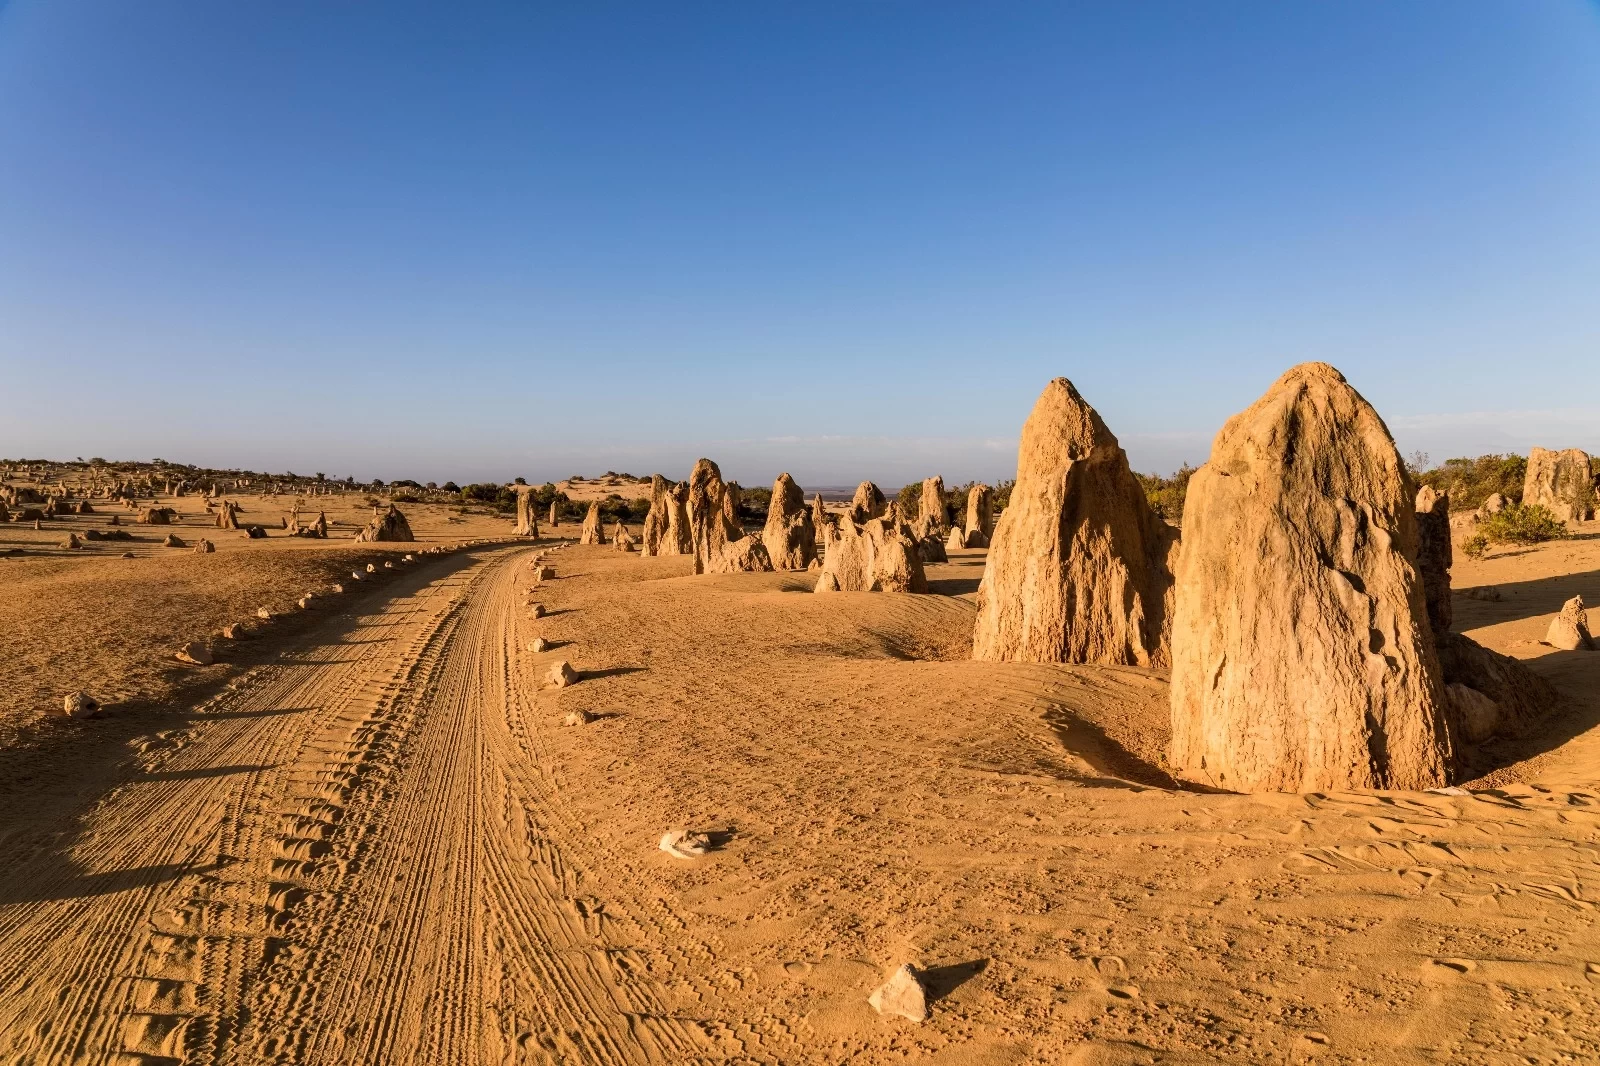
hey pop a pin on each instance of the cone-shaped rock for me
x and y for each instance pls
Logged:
(1078, 567)
(1302, 655)
(821, 520)
(590, 533)
(1434, 556)
(391, 525)
(868, 503)
(1561, 482)
(655, 521)
(789, 535)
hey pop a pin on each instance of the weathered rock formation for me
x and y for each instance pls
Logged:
(1569, 630)
(228, 516)
(980, 517)
(590, 532)
(867, 504)
(527, 508)
(555, 518)
(621, 539)
(150, 516)
(933, 519)
(1078, 567)
(1434, 556)
(1302, 655)
(956, 541)
(710, 528)
(1491, 506)
(391, 525)
(876, 557)
(789, 535)
(1561, 482)
(821, 520)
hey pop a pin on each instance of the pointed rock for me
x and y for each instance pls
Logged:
(789, 535)
(1302, 654)
(901, 995)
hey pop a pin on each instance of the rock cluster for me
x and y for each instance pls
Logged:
(1078, 568)
(878, 556)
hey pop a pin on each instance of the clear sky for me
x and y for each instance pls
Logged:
(458, 240)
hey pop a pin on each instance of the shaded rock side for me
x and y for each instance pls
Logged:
(1078, 567)
(1561, 482)
(790, 536)
(1435, 556)
(1302, 654)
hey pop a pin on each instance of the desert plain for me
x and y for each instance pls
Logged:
(372, 830)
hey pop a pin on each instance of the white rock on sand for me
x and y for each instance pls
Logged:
(195, 652)
(683, 844)
(79, 705)
(561, 675)
(901, 995)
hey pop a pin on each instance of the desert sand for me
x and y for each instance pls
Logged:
(366, 834)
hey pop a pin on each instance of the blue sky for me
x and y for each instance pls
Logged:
(846, 240)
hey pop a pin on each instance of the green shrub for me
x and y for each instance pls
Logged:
(1167, 494)
(1471, 481)
(1517, 524)
(1475, 546)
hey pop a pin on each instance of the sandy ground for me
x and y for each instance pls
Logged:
(368, 838)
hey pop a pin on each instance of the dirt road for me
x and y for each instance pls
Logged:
(344, 858)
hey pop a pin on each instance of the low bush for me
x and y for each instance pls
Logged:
(1517, 524)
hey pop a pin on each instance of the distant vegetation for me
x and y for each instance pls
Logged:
(1166, 494)
(1471, 481)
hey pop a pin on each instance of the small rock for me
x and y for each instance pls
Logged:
(1478, 714)
(264, 613)
(902, 994)
(355, 575)
(235, 631)
(72, 542)
(562, 674)
(682, 844)
(538, 644)
(336, 588)
(1569, 630)
(536, 610)
(204, 547)
(195, 652)
(577, 718)
(80, 705)
(1488, 593)
(372, 568)
(388, 566)
(305, 601)
(408, 558)
(172, 540)
(128, 555)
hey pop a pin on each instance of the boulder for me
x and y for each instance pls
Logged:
(868, 503)
(544, 573)
(228, 516)
(980, 516)
(1434, 556)
(1560, 482)
(83, 507)
(390, 525)
(590, 532)
(172, 540)
(930, 549)
(1302, 654)
(72, 543)
(535, 610)
(195, 652)
(902, 995)
(538, 644)
(682, 844)
(790, 535)
(561, 675)
(79, 705)
(621, 538)
(747, 555)
(235, 631)
(1078, 568)
(577, 718)
(255, 532)
(955, 541)
(1569, 630)
(154, 516)
(204, 547)
(1476, 716)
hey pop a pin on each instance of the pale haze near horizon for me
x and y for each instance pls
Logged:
(478, 242)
